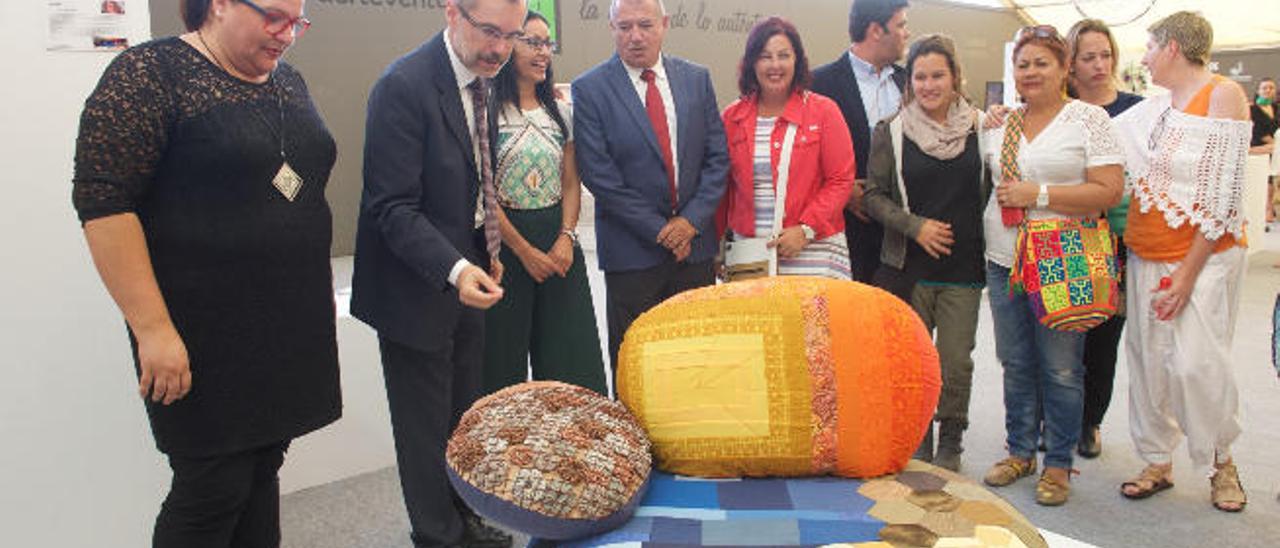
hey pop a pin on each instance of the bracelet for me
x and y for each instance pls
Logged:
(573, 236)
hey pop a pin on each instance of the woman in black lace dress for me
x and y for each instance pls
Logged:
(200, 173)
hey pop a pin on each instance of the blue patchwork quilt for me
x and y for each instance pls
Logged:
(917, 507)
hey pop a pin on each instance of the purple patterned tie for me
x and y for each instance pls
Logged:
(479, 100)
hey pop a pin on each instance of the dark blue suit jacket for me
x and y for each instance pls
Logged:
(418, 205)
(619, 161)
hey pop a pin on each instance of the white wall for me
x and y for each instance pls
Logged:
(78, 466)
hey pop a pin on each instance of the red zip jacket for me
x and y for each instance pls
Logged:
(822, 165)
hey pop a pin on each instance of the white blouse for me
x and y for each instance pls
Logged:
(1081, 136)
(1192, 168)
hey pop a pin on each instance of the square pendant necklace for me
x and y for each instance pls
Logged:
(287, 181)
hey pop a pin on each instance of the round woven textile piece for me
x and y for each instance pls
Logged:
(550, 459)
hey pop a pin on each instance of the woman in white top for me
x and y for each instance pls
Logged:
(1186, 155)
(545, 319)
(1070, 160)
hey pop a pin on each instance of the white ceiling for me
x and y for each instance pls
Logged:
(1236, 23)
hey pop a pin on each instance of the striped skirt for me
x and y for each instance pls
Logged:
(828, 257)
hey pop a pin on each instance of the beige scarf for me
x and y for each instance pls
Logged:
(942, 141)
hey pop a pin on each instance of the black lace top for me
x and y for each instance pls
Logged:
(245, 272)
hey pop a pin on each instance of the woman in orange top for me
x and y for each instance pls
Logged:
(1186, 154)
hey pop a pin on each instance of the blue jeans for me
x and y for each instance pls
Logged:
(1043, 371)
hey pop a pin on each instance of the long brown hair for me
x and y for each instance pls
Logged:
(507, 91)
(940, 44)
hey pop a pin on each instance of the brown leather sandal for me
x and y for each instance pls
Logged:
(1225, 488)
(1153, 479)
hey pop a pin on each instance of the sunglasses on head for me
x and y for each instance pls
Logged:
(1040, 31)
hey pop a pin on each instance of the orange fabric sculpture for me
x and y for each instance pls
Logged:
(785, 376)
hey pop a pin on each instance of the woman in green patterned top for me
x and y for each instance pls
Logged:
(546, 319)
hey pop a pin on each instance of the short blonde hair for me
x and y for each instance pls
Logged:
(1190, 30)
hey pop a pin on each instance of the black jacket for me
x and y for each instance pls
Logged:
(417, 210)
(836, 80)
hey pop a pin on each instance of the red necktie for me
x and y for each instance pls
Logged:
(658, 117)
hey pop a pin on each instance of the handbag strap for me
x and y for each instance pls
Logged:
(979, 118)
(780, 191)
(1009, 170)
(895, 139)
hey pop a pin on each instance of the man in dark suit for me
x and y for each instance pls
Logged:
(651, 149)
(868, 86)
(418, 244)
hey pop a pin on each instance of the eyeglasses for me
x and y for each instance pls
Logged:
(490, 31)
(537, 43)
(276, 21)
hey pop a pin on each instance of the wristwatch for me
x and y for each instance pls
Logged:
(809, 234)
(1042, 199)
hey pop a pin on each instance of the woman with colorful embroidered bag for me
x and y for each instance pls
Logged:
(1185, 154)
(1060, 165)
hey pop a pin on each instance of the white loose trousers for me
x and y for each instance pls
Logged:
(1180, 371)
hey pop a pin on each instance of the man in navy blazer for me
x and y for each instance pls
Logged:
(420, 259)
(867, 85)
(653, 240)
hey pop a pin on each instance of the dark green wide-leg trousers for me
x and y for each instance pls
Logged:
(550, 326)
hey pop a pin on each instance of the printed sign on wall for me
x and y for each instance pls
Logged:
(94, 25)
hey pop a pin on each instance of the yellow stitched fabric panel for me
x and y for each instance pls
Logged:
(706, 387)
(720, 379)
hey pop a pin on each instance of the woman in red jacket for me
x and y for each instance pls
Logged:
(788, 147)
